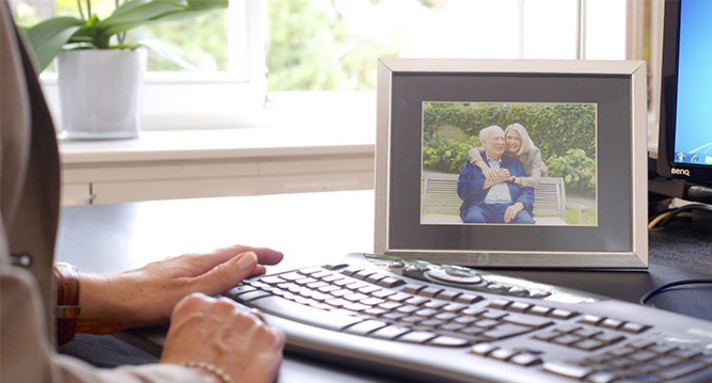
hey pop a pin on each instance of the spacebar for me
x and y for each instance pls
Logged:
(281, 307)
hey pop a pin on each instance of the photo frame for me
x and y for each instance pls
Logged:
(585, 120)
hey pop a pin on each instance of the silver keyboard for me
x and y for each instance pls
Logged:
(419, 321)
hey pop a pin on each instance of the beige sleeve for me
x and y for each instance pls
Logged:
(533, 167)
(28, 357)
(475, 155)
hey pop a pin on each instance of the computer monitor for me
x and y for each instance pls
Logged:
(684, 158)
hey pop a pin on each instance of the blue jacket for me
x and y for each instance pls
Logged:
(471, 181)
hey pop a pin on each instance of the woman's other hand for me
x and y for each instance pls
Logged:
(225, 335)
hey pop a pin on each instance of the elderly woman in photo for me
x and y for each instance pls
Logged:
(520, 146)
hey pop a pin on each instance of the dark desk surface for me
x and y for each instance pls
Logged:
(316, 228)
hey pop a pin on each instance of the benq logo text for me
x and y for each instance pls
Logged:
(685, 172)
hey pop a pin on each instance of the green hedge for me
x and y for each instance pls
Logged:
(554, 128)
(565, 134)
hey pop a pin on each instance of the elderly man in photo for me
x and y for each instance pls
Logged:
(499, 200)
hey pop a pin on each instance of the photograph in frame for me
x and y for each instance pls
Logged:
(547, 163)
(586, 118)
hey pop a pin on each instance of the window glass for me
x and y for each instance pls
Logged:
(198, 44)
(333, 44)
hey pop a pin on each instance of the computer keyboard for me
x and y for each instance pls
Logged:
(425, 322)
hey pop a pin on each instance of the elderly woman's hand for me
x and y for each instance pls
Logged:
(224, 335)
(146, 296)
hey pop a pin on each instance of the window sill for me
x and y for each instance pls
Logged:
(220, 162)
(186, 145)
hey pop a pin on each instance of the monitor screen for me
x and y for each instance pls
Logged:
(685, 142)
(693, 136)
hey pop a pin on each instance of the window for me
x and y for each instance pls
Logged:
(332, 44)
(222, 57)
(287, 51)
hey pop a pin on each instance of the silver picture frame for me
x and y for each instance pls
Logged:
(615, 238)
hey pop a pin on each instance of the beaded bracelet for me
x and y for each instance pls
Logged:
(211, 368)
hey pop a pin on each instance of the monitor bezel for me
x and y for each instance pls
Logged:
(537, 254)
(666, 165)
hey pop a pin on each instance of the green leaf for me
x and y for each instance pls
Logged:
(47, 38)
(143, 12)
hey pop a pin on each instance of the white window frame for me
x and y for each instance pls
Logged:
(183, 100)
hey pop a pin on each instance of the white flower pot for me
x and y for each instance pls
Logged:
(101, 93)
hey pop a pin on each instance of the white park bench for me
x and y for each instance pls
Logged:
(441, 204)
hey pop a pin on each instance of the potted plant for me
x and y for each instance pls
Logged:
(100, 76)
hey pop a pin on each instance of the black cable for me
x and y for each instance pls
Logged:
(673, 213)
(666, 286)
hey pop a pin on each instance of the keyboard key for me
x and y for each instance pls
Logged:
(506, 330)
(304, 314)
(291, 276)
(519, 307)
(681, 370)
(468, 298)
(499, 304)
(237, 290)
(251, 295)
(399, 297)
(568, 370)
(483, 349)
(390, 282)
(426, 313)
(448, 295)
(591, 320)
(429, 292)
(449, 341)
(662, 349)
(432, 323)
(411, 288)
(589, 345)
(454, 307)
(372, 301)
(310, 270)
(528, 320)
(374, 278)
(642, 356)
(418, 337)
(453, 327)
(587, 332)
(562, 314)
(368, 289)
(351, 270)
(686, 354)
(272, 280)
(493, 314)
(335, 266)
(634, 328)
(611, 323)
(382, 293)
(365, 327)
(363, 274)
(502, 354)
(566, 340)
(602, 377)
(540, 310)
(390, 332)
(526, 360)
(610, 338)
(417, 301)
(666, 361)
